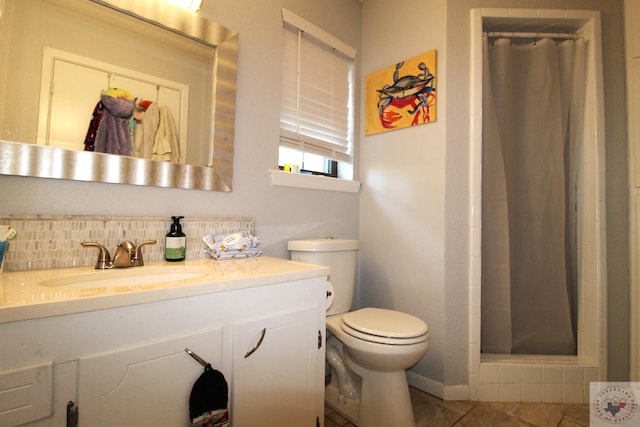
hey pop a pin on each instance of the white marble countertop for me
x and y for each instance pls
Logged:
(22, 297)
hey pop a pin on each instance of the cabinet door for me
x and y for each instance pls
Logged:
(281, 382)
(147, 385)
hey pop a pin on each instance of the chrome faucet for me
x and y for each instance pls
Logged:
(127, 254)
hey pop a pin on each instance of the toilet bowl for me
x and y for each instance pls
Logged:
(368, 383)
(368, 350)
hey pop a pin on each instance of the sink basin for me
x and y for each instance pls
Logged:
(123, 277)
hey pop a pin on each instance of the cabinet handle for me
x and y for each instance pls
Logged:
(253, 350)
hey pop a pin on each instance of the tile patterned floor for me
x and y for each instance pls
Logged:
(433, 412)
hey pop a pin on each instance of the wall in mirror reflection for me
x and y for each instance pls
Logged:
(138, 57)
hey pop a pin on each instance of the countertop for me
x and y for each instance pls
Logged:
(23, 298)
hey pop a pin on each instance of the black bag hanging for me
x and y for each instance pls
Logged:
(209, 397)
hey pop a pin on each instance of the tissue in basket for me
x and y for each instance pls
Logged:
(232, 246)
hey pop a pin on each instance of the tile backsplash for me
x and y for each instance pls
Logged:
(54, 241)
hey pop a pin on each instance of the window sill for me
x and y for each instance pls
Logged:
(314, 182)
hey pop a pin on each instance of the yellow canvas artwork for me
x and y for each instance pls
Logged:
(401, 95)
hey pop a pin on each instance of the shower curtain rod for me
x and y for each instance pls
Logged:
(515, 35)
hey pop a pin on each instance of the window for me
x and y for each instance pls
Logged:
(316, 119)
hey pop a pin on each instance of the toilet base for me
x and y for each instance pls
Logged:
(384, 400)
(348, 408)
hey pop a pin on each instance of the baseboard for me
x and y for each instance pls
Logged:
(425, 384)
(437, 389)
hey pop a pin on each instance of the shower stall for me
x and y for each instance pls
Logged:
(521, 350)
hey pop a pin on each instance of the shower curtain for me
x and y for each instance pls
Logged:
(533, 113)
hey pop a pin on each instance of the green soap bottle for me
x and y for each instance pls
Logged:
(175, 247)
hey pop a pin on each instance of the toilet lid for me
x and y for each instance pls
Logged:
(385, 326)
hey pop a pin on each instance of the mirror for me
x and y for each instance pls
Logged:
(147, 29)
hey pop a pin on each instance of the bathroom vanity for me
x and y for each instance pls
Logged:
(118, 352)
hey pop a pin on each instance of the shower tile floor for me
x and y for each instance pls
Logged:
(433, 412)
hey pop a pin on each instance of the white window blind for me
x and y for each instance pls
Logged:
(316, 114)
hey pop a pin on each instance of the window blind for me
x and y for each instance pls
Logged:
(316, 107)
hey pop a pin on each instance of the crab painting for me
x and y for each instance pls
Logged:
(411, 93)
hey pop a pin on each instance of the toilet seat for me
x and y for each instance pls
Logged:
(384, 326)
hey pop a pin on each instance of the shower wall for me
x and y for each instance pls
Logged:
(547, 378)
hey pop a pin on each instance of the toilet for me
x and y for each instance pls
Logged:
(368, 350)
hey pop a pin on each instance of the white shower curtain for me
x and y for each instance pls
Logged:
(533, 112)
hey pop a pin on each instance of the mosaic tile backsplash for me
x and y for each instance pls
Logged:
(54, 241)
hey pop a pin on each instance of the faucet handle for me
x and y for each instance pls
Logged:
(104, 259)
(137, 253)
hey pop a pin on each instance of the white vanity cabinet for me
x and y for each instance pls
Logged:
(126, 366)
(273, 385)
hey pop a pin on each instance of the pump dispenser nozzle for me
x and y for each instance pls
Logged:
(176, 226)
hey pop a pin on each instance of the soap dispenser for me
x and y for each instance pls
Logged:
(176, 241)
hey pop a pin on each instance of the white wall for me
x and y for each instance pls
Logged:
(281, 213)
(414, 208)
(402, 216)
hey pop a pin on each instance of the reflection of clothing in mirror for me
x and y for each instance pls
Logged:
(96, 116)
(165, 146)
(146, 129)
(113, 135)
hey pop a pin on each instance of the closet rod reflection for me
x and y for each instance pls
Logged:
(516, 35)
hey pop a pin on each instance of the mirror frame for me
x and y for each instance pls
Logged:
(22, 159)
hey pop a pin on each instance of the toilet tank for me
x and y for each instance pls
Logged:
(340, 255)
